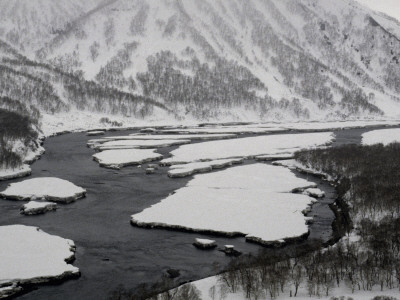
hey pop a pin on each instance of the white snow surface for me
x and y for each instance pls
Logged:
(295, 165)
(27, 253)
(21, 171)
(124, 157)
(182, 170)
(381, 136)
(253, 200)
(35, 207)
(314, 192)
(50, 188)
(204, 242)
(250, 146)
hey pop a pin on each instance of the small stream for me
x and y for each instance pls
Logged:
(110, 252)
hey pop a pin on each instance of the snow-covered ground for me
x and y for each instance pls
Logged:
(29, 255)
(49, 188)
(78, 120)
(248, 147)
(28, 153)
(314, 192)
(36, 207)
(21, 171)
(206, 287)
(335, 125)
(252, 200)
(295, 165)
(183, 170)
(117, 159)
(381, 136)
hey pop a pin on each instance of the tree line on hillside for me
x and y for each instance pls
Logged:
(14, 127)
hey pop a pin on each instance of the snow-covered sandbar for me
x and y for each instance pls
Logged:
(249, 147)
(381, 136)
(22, 171)
(183, 170)
(255, 201)
(48, 188)
(116, 159)
(30, 256)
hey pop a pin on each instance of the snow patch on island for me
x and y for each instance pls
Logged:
(381, 136)
(116, 159)
(183, 170)
(36, 208)
(48, 188)
(30, 256)
(255, 201)
(249, 147)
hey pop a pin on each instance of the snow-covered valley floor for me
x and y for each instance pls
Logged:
(101, 221)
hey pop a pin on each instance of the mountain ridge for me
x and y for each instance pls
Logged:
(202, 60)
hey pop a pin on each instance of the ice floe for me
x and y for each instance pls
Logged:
(117, 159)
(249, 147)
(381, 136)
(48, 188)
(183, 170)
(253, 201)
(36, 207)
(205, 244)
(30, 256)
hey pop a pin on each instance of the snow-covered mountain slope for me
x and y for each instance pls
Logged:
(208, 60)
(27, 24)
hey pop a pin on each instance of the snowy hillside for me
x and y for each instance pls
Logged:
(202, 60)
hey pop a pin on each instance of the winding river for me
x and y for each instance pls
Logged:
(110, 252)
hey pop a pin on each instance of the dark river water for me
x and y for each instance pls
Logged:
(110, 252)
